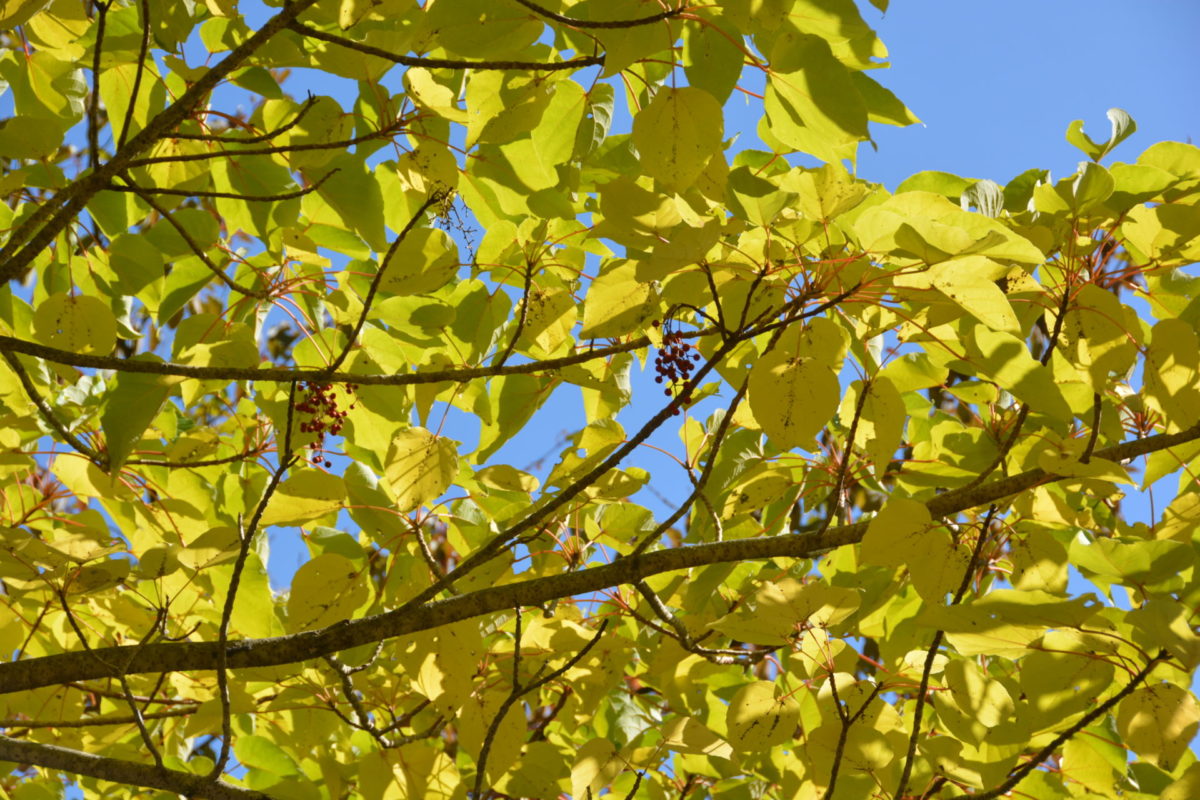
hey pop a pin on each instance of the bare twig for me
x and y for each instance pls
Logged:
(194, 246)
(35, 234)
(249, 198)
(434, 198)
(262, 137)
(519, 691)
(87, 722)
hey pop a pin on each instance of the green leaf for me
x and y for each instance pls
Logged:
(1131, 561)
(258, 752)
(1092, 186)
(711, 60)
(129, 407)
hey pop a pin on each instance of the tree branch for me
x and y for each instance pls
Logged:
(1040, 757)
(130, 773)
(442, 63)
(180, 656)
(280, 375)
(26, 243)
(612, 23)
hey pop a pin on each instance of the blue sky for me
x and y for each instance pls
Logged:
(996, 84)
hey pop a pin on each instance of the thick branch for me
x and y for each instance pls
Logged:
(116, 770)
(180, 656)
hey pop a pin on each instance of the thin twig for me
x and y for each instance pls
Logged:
(931, 654)
(143, 50)
(247, 540)
(194, 246)
(35, 234)
(434, 198)
(249, 198)
(443, 63)
(610, 24)
(835, 494)
(78, 445)
(94, 100)
(262, 137)
(722, 656)
(518, 691)
(86, 722)
(390, 130)
(1040, 757)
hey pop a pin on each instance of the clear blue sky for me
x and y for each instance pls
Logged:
(996, 84)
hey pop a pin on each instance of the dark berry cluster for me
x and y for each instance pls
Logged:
(674, 363)
(319, 402)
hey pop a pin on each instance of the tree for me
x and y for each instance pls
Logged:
(908, 422)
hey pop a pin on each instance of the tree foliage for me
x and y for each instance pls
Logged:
(905, 429)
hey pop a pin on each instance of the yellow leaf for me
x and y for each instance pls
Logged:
(618, 303)
(899, 519)
(78, 323)
(307, 495)
(325, 590)
(686, 735)
(978, 696)
(1005, 359)
(775, 610)
(677, 134)
(967, 282)
(420, 466)
(595, 766)
(758, 720)
(792, 397)
(1158, 723)
(1172, 374)
(436, 97)
(426, 260)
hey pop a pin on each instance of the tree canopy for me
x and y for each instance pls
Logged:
(897, 558)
